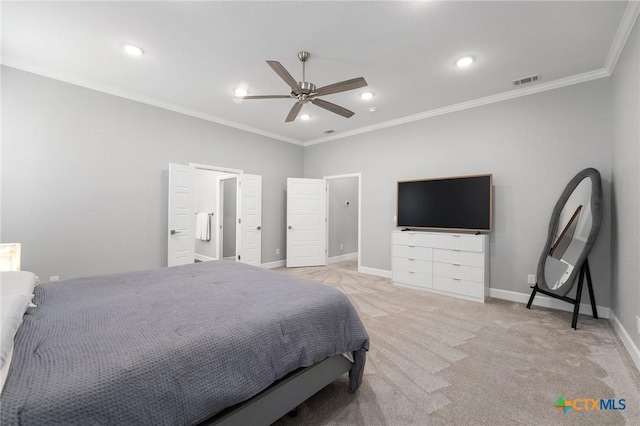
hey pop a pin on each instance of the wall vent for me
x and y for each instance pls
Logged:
(526, 80)
(326, 132)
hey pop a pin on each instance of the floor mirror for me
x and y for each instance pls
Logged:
(573, 229)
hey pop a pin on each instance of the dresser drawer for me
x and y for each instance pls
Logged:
(410, 265)
(462, 287)
(416, 239)
(418, 279)
(459, 257)
(463, 272)
(412, 252)
(459, 242)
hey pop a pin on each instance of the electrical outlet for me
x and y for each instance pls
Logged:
(54, 278)
(638, 323)
(277, 251)
(531, 279)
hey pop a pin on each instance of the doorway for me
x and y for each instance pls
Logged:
(215, 198)
(343, 218)
(244, 213)
(323, 220)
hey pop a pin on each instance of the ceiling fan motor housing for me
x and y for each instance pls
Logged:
(307, 90)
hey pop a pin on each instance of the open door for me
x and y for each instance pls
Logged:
(306, 222)
(250, 219)
(182, 223)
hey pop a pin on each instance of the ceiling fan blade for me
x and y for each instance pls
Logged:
(342, 86)
(263, 97)
(284, 74)
(337, 109)
(294, 112)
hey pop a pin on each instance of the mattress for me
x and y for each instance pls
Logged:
(170, 346)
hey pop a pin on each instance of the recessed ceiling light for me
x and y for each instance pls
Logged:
(465, 61)
(366, 95)
(132, 50)
(373, 109)
(240, 92)
(305, 117)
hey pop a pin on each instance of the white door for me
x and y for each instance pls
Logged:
(250, 219)
(306, 222)
(182, 219)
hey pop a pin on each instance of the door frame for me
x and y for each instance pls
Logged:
(357, 175)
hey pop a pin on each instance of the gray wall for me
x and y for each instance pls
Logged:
(84, 175)
(625, 249)
(533, 146)
(343, 219)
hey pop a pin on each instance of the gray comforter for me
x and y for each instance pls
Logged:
(171, 346)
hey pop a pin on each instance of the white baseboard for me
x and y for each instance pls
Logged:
(343, 258)
(276, 264)
(546, 302)
(628, 343)
(376, 272)
(232, 258)
(203, 258)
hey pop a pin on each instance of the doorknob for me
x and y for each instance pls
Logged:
(258, 227)
(290, 227)
(174, 232)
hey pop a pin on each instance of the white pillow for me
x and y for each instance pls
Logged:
(13, 308)
(17, 282)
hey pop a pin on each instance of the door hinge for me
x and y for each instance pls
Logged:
(238, 257)
(325, 220)
(239, 220)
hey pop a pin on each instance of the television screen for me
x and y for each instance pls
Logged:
(455, 203)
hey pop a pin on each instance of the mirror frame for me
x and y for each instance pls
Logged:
(596, 211)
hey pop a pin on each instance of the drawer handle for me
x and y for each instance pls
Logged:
(412, 272)
(411, 258)
(455, 264)
(456, 236)
(412, 246)
(456, 278)
(455, 250)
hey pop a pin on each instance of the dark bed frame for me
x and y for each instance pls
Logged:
(284, 395)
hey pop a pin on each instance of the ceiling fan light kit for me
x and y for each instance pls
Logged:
(304, 91)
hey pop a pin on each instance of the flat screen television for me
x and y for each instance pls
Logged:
(462, 203)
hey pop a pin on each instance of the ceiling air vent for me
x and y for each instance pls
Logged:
(526, 80)
(327, 132)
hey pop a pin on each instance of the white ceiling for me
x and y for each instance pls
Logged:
(196, 53)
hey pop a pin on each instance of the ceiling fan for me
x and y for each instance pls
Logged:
(305, 91)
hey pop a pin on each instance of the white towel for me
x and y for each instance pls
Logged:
(203, 231)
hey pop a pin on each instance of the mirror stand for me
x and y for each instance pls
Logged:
(584, 271)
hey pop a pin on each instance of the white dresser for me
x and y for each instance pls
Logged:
(450, 264)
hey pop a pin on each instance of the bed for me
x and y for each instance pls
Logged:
(212, 342)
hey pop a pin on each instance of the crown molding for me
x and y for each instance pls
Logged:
(627, 22)
(110, 90)
(505, 96)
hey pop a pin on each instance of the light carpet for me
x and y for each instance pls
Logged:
(443, 361)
